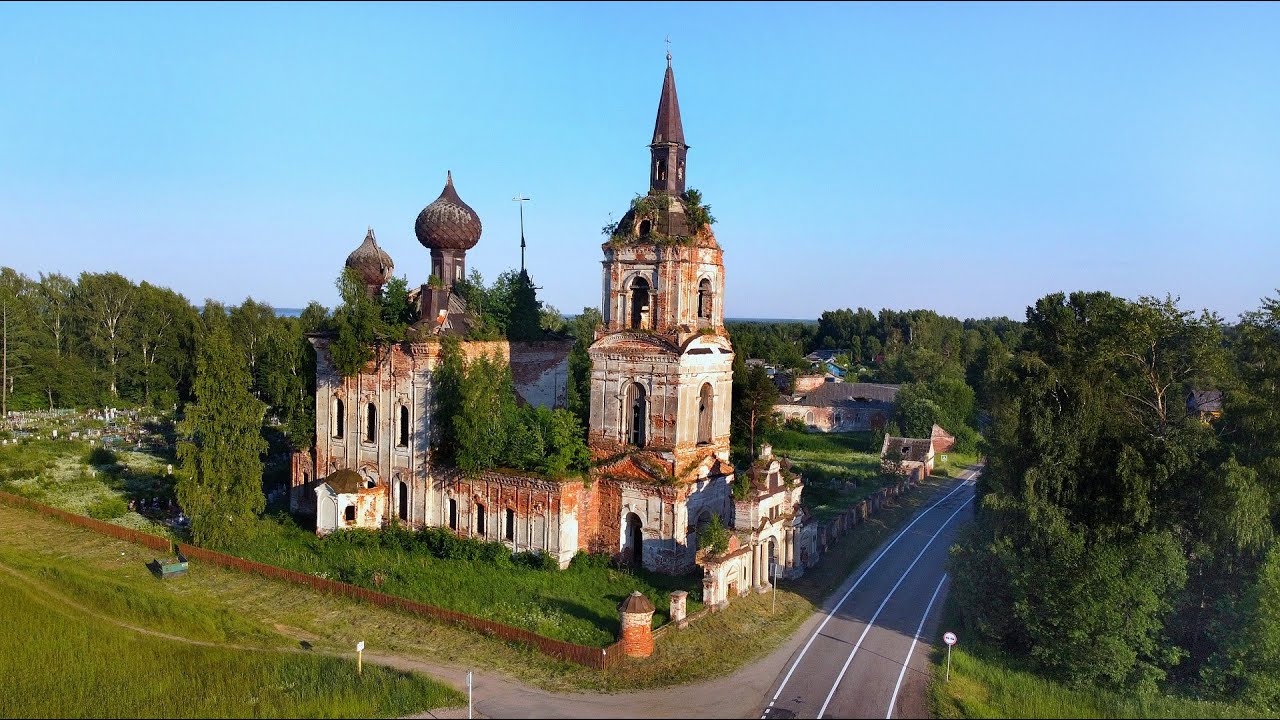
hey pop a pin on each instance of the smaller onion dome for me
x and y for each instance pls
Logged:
(371, 262)
(448, 223)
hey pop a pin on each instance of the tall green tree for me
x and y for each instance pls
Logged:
(220, 441)
(106, 303)
(578, 393)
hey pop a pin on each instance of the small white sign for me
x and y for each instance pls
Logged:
(949, 638)
(360, 645)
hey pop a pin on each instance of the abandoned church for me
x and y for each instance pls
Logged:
(660, 386)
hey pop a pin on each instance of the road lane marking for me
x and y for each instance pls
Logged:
(858, 582)
(914, 640)
(872, 622)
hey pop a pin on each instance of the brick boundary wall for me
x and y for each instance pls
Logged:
(592, 657)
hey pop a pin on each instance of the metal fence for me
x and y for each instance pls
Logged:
(592, 657)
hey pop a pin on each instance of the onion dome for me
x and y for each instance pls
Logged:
(371, 262)
(448, 223)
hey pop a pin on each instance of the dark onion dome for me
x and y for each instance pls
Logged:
(371, 262)
(448, 223)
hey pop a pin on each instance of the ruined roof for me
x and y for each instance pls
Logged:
(913, 449)
(847, 394)
(636, 602)
(345, 481)
(667, 128)
(1204, 401)
(633, 467)
(448, 223)
(371, 262)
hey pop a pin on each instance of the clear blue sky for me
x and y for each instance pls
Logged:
(968, 158)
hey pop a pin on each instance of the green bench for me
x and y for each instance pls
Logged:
(170, 567)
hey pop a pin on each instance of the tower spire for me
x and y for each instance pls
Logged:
(667, 151)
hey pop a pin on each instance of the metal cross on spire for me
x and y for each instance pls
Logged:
(668, 51)
(520, 198)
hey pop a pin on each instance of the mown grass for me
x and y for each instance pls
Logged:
(578, 604)
(983, 684)
(59, 661)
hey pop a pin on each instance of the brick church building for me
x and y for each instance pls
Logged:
(661, 383)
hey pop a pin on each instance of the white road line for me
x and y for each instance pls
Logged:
(872, 622)
(857, 582)
(914, 640)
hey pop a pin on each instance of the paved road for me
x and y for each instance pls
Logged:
(863, 659)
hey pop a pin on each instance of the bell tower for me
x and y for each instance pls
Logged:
(662, 365)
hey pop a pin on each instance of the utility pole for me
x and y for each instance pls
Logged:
(521, 199)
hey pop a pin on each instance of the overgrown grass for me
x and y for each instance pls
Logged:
(579, 604)
(955, 463)
(839, 469)
(73, 476)
(984, 684)
(64, 663)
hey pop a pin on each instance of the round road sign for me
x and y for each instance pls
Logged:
(949, 638)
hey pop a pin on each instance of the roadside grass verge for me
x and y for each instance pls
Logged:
(985, 685)
(58, 661)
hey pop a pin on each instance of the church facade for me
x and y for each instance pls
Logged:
(661, 384)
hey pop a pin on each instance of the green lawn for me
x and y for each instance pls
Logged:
(985, 685)
(579, 604)
(61, 657)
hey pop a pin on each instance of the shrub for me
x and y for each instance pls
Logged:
(590, 561)
(101, 456)
(108, 508)
(714, 537)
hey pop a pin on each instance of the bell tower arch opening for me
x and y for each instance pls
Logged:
(706, 398)
(636, 412)
(639, 303)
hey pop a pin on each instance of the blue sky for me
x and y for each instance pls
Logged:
(968, 158)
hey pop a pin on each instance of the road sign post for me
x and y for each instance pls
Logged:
(360, 658)
(949, 639)
(469, 703)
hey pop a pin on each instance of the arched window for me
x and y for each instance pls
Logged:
(637, 414)
(371, 424)
(480, 525)
(511, 525)
(404, 501)
(645, 228)
(350, 513)
(633, 551)
(704, 299)
(639, 303)
(453, 514)
(404, 427)
(661, 171)
(338, 417)
(705, 414)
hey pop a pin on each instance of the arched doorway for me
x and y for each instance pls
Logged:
(404, 501)
(633, 550)
(771, 568)
(637, 414)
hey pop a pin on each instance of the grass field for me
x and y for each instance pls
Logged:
(578, 604)
(984, 685)
(839, 469)
(711, 647)
(61, 656)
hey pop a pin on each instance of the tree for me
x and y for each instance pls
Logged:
(754, 396)
(359, 326)
(484, 415)
(578, 392)
(220, 443)
(15, 330)
(252, 323)
(106, 303)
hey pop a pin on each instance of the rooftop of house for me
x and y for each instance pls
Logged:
(846, 394)
(1204, 401)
